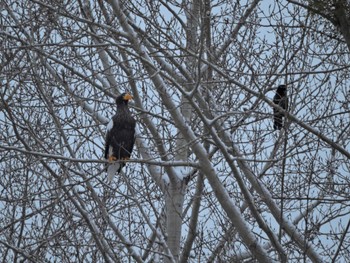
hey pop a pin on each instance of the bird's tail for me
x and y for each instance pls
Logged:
(114, 168)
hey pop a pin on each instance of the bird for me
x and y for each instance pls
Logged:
(280, 99)
(120, 136)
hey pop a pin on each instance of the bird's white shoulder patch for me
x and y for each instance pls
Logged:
(110, 151)
(109, 125)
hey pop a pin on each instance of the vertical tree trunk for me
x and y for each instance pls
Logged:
(176, 191)
(174, 202)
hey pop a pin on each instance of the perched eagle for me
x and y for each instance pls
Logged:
(281, 99)
(120, 136)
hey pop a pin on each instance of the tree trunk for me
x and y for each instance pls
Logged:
(176, 191)
(174, 203)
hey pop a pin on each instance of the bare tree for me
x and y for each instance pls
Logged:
(335, 12)
(210, 179)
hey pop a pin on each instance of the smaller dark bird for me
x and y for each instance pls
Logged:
(120, 136)
(280, 99)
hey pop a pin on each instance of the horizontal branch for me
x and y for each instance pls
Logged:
(61, 157)
(151, 162)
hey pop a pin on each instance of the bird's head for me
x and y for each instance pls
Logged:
(124, 98)
(282, 89)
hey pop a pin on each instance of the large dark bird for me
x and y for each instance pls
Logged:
(120, 136)
(281, 99)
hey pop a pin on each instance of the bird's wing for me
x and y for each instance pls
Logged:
(131, 141)
(277, 98)
(284, 103)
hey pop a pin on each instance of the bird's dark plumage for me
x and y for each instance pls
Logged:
(120, 136)
(281, 99)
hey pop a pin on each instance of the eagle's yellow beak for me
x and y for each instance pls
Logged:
(128, 96)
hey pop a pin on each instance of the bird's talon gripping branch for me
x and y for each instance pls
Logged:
(112, 159)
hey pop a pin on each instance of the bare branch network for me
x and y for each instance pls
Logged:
(210, 178)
